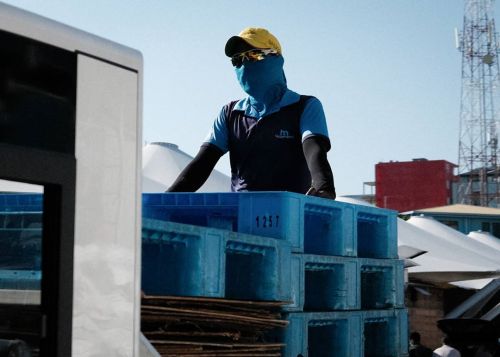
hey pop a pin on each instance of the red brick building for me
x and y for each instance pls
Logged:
(410, 185)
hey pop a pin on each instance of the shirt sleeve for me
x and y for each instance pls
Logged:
(218, 134)
(313, 120)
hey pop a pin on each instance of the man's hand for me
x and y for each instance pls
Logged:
(321, 193)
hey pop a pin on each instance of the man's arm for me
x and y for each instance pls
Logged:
(198, 170)
(315, 149)
(316, 144)
(215, 145)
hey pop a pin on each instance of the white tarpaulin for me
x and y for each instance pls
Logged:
(476, 284)
(485, 238)
(445, 260)
(452, 236)
(163, 162)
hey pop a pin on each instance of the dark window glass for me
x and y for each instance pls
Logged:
(485, 226)
(37, 94)
(496, 230)
(452, 224)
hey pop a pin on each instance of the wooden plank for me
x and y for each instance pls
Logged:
(207, 322)
(256, 314)
(268, 304)
(224, 345)
(218, 315)
(231, 335)
(210, 327)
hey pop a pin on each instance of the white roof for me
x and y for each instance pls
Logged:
(461, 209)
(445, 261)
(485, 238)
(163, 162)
(408, 252)
(453, 238)
(475, 284)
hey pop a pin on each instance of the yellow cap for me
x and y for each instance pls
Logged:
(250, 38)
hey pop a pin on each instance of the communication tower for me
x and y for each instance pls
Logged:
(478, 165)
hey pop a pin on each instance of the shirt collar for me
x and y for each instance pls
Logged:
(288, 98)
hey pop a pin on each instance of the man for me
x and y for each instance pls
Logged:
(416, 349)
(277, 139)
(446, 350)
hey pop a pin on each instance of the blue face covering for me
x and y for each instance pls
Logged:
(264, 81)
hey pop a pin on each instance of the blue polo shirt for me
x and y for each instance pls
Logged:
(312, 122)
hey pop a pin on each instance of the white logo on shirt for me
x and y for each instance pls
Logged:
(283, 134)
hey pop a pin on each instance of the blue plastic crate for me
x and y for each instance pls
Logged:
(322, 334)
(187, 260)
(21, 202)
(324, 283)
(380, 333)
(22, 220)
(312, 225)
(181, 260)
(257, 268)
(20, 240)
(382, 283)
(20, 279)
(376, 232)
(385, 333)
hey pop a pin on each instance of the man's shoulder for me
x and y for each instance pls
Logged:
(294, 98)
(238, 104)
(231, 106)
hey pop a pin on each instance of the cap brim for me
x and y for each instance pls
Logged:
(236, 45)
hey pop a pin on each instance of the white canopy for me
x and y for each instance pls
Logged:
(485, 238)
(475, 284)
(453, 239)
(445, 260)
(452, 256)
(163, 162)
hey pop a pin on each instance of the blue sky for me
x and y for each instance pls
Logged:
(386, 71)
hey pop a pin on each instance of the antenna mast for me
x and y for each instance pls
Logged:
(478, 166)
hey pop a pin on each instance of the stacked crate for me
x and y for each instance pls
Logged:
(335, 262)
(203, 258)
(187, 260)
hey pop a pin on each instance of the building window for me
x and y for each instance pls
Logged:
(485, 226)
(452, 224)
(496, 230)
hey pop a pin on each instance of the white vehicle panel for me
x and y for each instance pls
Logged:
(106, 299)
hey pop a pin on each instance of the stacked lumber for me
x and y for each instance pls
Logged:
(209, 327)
